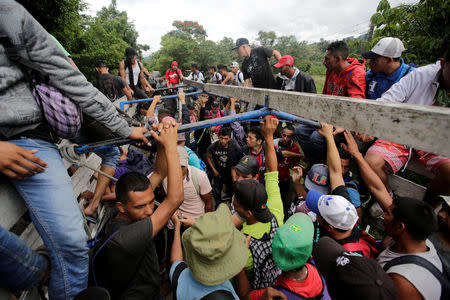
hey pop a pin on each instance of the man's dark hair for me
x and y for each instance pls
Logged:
(339, 48)
(417, 215)
(225, 131)
(396, 58)
(143, 105)
(289, 127)
(222, 67)
(446, 55)
(343, 154)
(162, 113)
(194, 66)
(212, 67)
(100, 64)
(256, 130)
(130, 182)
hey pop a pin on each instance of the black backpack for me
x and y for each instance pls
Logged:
(97, 262)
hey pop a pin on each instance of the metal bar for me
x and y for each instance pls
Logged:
(183, 128)
(246, 116)
(283, 115)
(421, 127)
(168, 88)
(122, 104)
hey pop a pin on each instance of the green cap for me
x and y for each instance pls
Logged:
(215, 250)
(293, 243)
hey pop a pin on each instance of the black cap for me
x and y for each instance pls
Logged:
(252, 195)
(240, 42)
(100, 64)
(248, 165)
(350, 275)
(130, 52)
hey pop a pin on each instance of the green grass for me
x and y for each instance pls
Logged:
(319, 80)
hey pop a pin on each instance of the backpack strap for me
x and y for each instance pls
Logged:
(218, 295)
(420, 261)
(97, 252)
(291, 294)
(407, 71)
(176, 275)
(194, 180)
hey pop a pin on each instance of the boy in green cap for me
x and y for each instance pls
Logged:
(291, 249)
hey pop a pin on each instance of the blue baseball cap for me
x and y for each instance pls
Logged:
(317, 179)
(240, 42)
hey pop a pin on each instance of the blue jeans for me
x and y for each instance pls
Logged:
(54, 211)
(312, 143)
(110, 156)
(21, 268)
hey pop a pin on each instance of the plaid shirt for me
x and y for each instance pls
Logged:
(264, 268)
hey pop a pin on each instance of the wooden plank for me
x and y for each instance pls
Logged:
(12, 205)
(405, 188)
(421, 127)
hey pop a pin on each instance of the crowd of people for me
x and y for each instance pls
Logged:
(258, 210)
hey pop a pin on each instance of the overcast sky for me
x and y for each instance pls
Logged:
(308, 20)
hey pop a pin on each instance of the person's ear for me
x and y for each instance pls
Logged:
(120, 206)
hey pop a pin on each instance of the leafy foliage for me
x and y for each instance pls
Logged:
(423, 27)
(187, 44)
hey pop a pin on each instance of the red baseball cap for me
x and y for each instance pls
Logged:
(174, 63)
(284, 60)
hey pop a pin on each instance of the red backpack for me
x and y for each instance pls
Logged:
(366, 245)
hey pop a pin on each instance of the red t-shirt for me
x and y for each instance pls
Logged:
(310, 287)
(173, 76)
(286, 163)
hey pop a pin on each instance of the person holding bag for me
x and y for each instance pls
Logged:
(29, 157)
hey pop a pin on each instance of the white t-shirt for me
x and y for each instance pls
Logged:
(193, 205)
(196, 77)
(238, 78)
(427, 285)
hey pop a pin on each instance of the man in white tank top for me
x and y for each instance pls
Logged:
(136, 81)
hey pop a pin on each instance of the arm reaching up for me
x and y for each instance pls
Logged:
(333, 159)
(168, 138)
(268, 128)
(371, 179)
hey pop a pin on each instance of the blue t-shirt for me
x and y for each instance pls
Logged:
(378, 83)
(188, 288)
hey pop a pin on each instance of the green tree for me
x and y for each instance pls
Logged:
(191, 28)
(423, 27)
(266, 38)
(105, 37)
(61, 18)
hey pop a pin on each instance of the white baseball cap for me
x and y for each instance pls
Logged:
(387, 47)
(234, 64)
(338, 211)
(183, 155)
